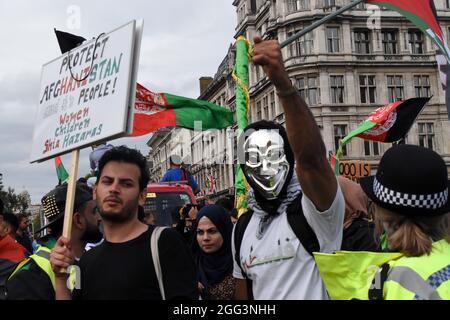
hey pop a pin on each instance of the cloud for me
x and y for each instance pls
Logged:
(182, 41)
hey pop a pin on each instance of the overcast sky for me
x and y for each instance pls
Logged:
(182, 41)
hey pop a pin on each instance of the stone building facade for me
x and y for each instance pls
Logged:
(344, 69)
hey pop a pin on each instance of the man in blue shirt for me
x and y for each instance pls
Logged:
(177, 173)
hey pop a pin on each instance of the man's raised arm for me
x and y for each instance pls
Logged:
(314, 173)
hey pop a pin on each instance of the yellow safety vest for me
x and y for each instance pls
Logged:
(351, 274)
(42, 259)
(420, 278)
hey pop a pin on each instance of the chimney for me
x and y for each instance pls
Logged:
(204, 83)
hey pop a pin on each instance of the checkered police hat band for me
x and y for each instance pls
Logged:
(427, 201)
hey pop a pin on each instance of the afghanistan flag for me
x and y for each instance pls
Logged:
(423, 14)
(153, 111)
(60, 170)
(389, 123)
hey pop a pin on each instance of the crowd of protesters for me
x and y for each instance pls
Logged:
(297, 208)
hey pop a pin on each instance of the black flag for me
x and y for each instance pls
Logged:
(68, 41)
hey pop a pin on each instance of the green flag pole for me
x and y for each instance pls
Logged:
(240, 76)
(318, 23)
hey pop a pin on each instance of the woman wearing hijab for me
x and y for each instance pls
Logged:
(358, 233)
(212, 252)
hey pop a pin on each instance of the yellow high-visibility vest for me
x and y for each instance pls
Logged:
(350, 274)
(42, 259)
(420, 278)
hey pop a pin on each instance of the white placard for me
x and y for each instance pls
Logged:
(75, 114)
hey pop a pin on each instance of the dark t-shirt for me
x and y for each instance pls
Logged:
(125, 271)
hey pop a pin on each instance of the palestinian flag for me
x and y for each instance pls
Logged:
(153, 111)
(334, 163)
(389, 123)
(423, 14)
(60, 170)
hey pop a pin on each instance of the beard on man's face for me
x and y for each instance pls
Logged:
(126, 214)
(92, 234)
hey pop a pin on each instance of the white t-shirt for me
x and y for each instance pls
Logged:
(278, 265)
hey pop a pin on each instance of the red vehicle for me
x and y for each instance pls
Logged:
(163, 197)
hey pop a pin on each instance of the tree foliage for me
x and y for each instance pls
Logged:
(15, 203)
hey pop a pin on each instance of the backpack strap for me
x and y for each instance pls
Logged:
(301, 227)
(296, 220)
(183, 174)
(155, 257)
(239, 231)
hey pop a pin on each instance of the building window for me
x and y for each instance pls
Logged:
(301, 46)
(329, 3)
(390, 41)
(416, 41)
(258, 111)
(395, 88)
(337, 89)
(371, 148)
(297, 5)
(308, 89)
(426, 135)
(422, 86)
(333, 39)
(367, 89)
(241, 13)
(265, 105)
(340, 131)
(447, 4)
(362, 41)
(448, 33)
(272, 105)
(213, 148)
(235, 154)
(257, 73)
(259, 4)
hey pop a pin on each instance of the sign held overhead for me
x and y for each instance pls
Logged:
(87, 95)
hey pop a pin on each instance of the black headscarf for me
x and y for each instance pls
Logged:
(214, 267)
(269, 206)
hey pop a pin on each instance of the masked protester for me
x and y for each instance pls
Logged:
(294, 193)
(33, 278)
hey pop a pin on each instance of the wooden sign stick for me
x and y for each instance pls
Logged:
(70, 198)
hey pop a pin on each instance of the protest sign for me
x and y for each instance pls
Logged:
(87, 95)
(354, 170)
